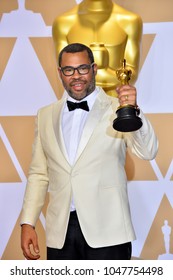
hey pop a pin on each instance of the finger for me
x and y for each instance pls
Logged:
(36, 248)
(35, 244)
(29, 256)
(30, 252)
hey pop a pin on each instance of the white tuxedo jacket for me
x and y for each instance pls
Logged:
(97, 181)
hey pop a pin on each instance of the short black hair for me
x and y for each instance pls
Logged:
(74, 48)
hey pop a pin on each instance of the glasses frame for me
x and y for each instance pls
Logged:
(89, 66)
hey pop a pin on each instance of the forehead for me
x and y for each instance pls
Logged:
(75, 59)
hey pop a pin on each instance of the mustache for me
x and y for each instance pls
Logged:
(77, 81)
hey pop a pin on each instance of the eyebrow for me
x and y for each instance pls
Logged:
(76, 66)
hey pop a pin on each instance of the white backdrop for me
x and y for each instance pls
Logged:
(25, 86)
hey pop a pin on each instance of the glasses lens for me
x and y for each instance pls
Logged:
(68, 71)
(83, 69)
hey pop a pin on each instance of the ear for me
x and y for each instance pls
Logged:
(59, 72)
(95, 69)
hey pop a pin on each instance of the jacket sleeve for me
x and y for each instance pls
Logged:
(37, 183)
(143, 142)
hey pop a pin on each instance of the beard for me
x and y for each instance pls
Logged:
(87, 91)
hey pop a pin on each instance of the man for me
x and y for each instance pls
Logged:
(80, 157)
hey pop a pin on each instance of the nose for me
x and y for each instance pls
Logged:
(76, 73)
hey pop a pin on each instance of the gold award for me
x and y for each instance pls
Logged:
(127, 115)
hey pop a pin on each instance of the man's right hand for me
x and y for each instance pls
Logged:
(29, 242)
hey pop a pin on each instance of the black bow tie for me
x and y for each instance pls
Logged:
(77, 105)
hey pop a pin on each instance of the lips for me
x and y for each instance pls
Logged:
(78, 85)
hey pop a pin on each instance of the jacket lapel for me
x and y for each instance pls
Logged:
(100, 106)
(57, 120)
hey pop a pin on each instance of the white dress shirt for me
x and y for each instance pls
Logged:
(72, 127)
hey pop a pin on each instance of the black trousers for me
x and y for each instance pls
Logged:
(76, 248)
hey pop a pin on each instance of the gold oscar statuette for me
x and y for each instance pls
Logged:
(127, 115)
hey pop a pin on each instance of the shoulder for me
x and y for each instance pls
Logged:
(124, 16)
(46, 109)
(106, 99)
(119, 10)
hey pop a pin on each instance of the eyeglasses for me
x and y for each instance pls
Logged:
(82, 69)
